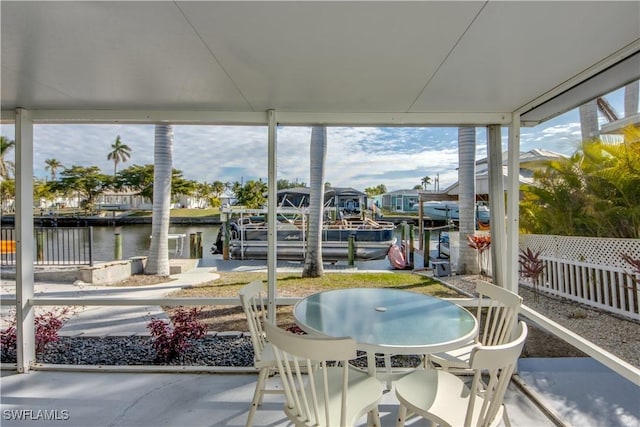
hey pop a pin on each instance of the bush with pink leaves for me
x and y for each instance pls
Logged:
(170, 340)
(47, 325)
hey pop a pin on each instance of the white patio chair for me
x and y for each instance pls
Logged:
(330, 393)
(496, 322)
(252, 301)
(444, 398)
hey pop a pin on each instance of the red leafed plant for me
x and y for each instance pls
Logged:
(481, 244)
(635, 266)
(171, 340)
(531, 267)
(47, 325)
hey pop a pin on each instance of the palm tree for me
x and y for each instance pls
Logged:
(595, 192)
(217, 188)
(53, 165)
(425, 181)
(158, 262)
(467, 198)
(120, 153)
(6, 166)
(318, 153)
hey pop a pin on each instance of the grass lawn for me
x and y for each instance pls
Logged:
(232, 318)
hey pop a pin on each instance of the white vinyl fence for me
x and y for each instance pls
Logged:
(589, 270)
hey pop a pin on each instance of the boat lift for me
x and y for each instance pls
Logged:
(179, 242)
(442, 263)
(242, 212)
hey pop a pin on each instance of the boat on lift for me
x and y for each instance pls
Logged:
(248, 233)
(449, 211)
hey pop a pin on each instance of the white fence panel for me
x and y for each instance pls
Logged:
(589, 270)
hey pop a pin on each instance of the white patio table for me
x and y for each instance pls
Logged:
(387, 321)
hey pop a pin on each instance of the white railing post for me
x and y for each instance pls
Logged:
(25, 317)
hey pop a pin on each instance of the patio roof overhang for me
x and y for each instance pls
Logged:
(335, 63)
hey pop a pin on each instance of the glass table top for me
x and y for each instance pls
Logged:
(380, 319)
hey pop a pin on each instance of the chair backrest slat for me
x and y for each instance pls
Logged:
(498, 319)
(499, 361)
(252, 301)
(324, 360)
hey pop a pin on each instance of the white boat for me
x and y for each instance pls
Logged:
(449, 211)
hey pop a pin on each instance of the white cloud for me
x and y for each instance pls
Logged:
(357, 157)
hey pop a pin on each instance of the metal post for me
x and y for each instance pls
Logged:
(513, 201)
(272, 235)
(25, 317)
(40, 245)
(90, 246)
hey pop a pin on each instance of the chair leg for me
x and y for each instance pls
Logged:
(257, 395)
(505, 417)
(373, 418)
(402, 415)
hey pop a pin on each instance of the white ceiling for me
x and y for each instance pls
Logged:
(387, 58)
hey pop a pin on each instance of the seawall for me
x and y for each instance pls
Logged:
(80, 221)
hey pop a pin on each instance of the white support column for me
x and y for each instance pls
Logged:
(496, 198)
(513, 205)
(272, 200)
(26, 352)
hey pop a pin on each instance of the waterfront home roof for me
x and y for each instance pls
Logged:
(535, 155)
(540, 155)
(353, 63)
(482, 182)
(402, 192)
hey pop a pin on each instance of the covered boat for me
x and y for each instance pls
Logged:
(339, 202)
(247, 238)
(449, 211)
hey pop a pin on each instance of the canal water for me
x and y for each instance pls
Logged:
(136, 239)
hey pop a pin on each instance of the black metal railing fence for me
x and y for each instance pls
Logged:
(52, 246)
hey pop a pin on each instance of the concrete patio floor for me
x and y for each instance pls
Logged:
(580, 392)
(90, 399)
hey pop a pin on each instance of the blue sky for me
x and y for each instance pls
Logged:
(357, 157)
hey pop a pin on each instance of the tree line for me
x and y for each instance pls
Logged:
(594, 192)
(89, 182)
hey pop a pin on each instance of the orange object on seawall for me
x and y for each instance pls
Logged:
(7, 246)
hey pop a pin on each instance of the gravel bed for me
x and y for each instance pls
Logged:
(138, 350)
(613, 333)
